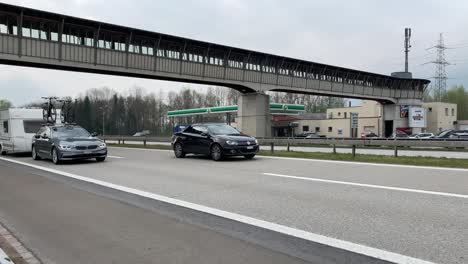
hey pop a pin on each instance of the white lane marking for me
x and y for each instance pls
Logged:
(115, 157)
(4, 259)
(333, 242)
(368, 185)
(157, 150)
(332, 161)
(368, 164)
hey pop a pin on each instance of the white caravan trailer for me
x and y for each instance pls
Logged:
(17, 128)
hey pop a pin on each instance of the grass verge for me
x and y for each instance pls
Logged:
(415, 161)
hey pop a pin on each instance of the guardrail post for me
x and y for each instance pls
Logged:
(334, 148)
(354, 150)
(144, 142)
(119, 141)
(396, 151)
(272, 147)
(123, 141)
(287, 147)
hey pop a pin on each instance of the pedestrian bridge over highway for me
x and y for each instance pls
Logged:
(41, 39)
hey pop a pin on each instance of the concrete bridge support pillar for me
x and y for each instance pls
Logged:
(393, 118)
(253, 116)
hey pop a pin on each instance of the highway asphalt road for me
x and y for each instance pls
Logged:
(385, 152)
(416, 212)
(61, 224)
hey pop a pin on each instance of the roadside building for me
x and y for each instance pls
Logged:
(462, 125)
(440, 116)
(291, 120)
(336, 122)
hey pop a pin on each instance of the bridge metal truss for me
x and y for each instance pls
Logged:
(41, 39)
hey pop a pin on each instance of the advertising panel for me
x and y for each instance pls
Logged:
(417, 117)
(404, 111)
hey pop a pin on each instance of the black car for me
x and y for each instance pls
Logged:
(216, 140)
(448, 133)
(67, 142)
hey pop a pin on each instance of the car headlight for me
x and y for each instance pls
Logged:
(256, 141)
(102, 145)
(232, 143)
(66, 147)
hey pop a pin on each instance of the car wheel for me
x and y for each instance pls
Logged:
(216, 152)
(100, 159)
(2, 152)
(34, 154)
(250, 156)
(55, 157)
(179, 150)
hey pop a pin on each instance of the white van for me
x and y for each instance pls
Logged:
(17, 128)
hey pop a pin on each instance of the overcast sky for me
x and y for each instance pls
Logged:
(365, 35)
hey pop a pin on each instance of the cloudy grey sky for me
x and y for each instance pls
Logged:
(360, 34)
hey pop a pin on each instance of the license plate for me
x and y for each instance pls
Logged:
(87, 152)
(249, 147)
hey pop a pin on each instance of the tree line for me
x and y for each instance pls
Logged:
(105, 110)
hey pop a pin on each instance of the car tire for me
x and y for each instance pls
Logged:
(250, 156)
(179, 150)
(55, 157)
(34, 153)
(100, 159)
(216, 152)
(2, 152)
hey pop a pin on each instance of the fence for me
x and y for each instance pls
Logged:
(332, 142)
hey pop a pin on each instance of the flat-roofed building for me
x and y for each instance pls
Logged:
(440, 116)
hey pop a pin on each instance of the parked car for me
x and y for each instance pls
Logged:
(142, 133)
(67, 142)
(313, 135)
(422, 136)
(215, 140)
(307, 135)
(399, 135)
(462, 135)
(369, 135)
(447, 133)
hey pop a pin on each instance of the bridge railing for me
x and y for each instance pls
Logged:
(353, 143)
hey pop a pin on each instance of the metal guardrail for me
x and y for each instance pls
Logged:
(333, 142)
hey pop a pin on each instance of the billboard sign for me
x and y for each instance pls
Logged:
(404, 111)
(417, 117)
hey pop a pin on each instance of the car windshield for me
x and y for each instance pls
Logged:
(443, 133)
(222, 130)
(70, 132)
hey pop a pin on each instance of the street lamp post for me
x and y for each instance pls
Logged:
(103, 108)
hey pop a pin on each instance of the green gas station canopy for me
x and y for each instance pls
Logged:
(274, 108)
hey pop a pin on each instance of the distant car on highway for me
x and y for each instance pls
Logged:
(422, 136)
(67, 142)
(215, 140)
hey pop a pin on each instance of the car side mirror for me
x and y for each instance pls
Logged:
(44, 136)
(206, 135)
(94, 134)
(37, 136)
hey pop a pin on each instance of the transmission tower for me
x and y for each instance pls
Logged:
(440, 83)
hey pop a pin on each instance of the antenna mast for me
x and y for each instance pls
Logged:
(407, 46)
